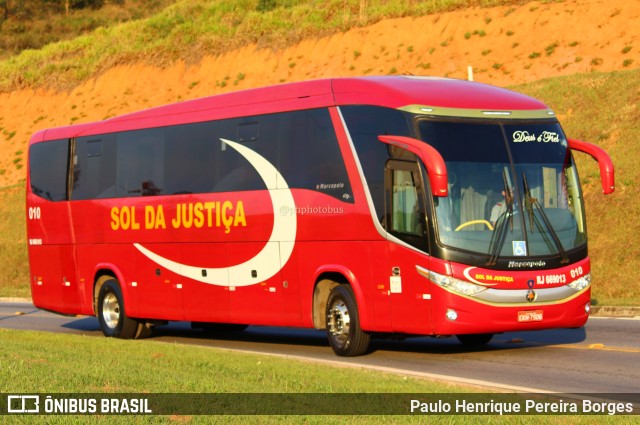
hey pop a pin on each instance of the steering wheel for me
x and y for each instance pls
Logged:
(472, 222)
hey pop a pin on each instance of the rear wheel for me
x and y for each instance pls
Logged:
(111, 313)
(343, 324)
(474, 340)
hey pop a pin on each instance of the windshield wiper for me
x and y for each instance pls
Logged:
(500, 230)
(530, 202)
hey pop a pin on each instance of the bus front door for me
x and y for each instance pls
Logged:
(408, 246)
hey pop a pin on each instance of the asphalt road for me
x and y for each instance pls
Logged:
(602, 357)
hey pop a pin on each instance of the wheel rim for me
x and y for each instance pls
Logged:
(111, 310)
(339, 322)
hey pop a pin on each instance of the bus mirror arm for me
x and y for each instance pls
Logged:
(607, 175)
(431, 158)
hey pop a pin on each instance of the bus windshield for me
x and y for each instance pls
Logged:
(513, 188)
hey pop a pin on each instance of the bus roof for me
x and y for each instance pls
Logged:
(388, 91)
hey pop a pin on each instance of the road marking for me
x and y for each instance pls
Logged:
(597, 346)
(592, 346)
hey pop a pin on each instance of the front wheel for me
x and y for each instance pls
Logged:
(111, 314)
(343, 325)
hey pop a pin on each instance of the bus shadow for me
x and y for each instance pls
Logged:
(317, 338)
(85, 324)
(500, 342)
(253, 334)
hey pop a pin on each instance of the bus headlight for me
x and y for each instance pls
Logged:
(452, 315)
(456, 285)
(582, 283)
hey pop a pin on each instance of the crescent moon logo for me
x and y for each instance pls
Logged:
(276, 251)
(468, 276)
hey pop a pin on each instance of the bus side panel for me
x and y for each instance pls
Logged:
(273, 301)
(292, 287)
(260, 303)
(410, 293)
(52, 256)
(352, 260)
(53, 279)
(205, 302)
(100, 258)
(71, 288)
(46, 283)
(382, 297)
(159, 290)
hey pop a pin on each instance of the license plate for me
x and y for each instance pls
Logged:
(530, 316)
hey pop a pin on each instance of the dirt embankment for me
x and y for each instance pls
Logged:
(503, 45)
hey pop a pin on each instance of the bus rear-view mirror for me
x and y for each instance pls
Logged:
(430, 157)
(607, 175)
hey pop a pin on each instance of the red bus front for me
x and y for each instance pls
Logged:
(492, 241)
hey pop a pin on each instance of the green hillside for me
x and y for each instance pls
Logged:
(32, 24)
(191, 29)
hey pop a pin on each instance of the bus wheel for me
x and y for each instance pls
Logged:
(113, 320)
(343, 326)
(474, 340)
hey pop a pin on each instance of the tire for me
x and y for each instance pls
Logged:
(474, 340)
(111, 313)
(343, 324)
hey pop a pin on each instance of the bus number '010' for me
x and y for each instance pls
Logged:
(576, 272)
(34, 213)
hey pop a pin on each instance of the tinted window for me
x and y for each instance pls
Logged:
(192, 158)
(94, 171)
(48, 167)
(234, 171)
(140, 163)
(301, 144)
(365, 124)
(309, 156)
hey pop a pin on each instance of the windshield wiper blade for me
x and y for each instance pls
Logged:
(528, 200)
(530, 203)
(500, 229)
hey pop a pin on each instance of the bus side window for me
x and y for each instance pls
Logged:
(140, 163)
(309, 156)
(234, 171)
(94, 167)
(48, 162)
(248, 132)
(191, 158)
(406, 203)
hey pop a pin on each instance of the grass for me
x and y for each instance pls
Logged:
(113, 365)
(13, 243)
(81, 364)
(40, 23)
(191, 29)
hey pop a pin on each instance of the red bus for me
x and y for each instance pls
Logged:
(363, 206)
